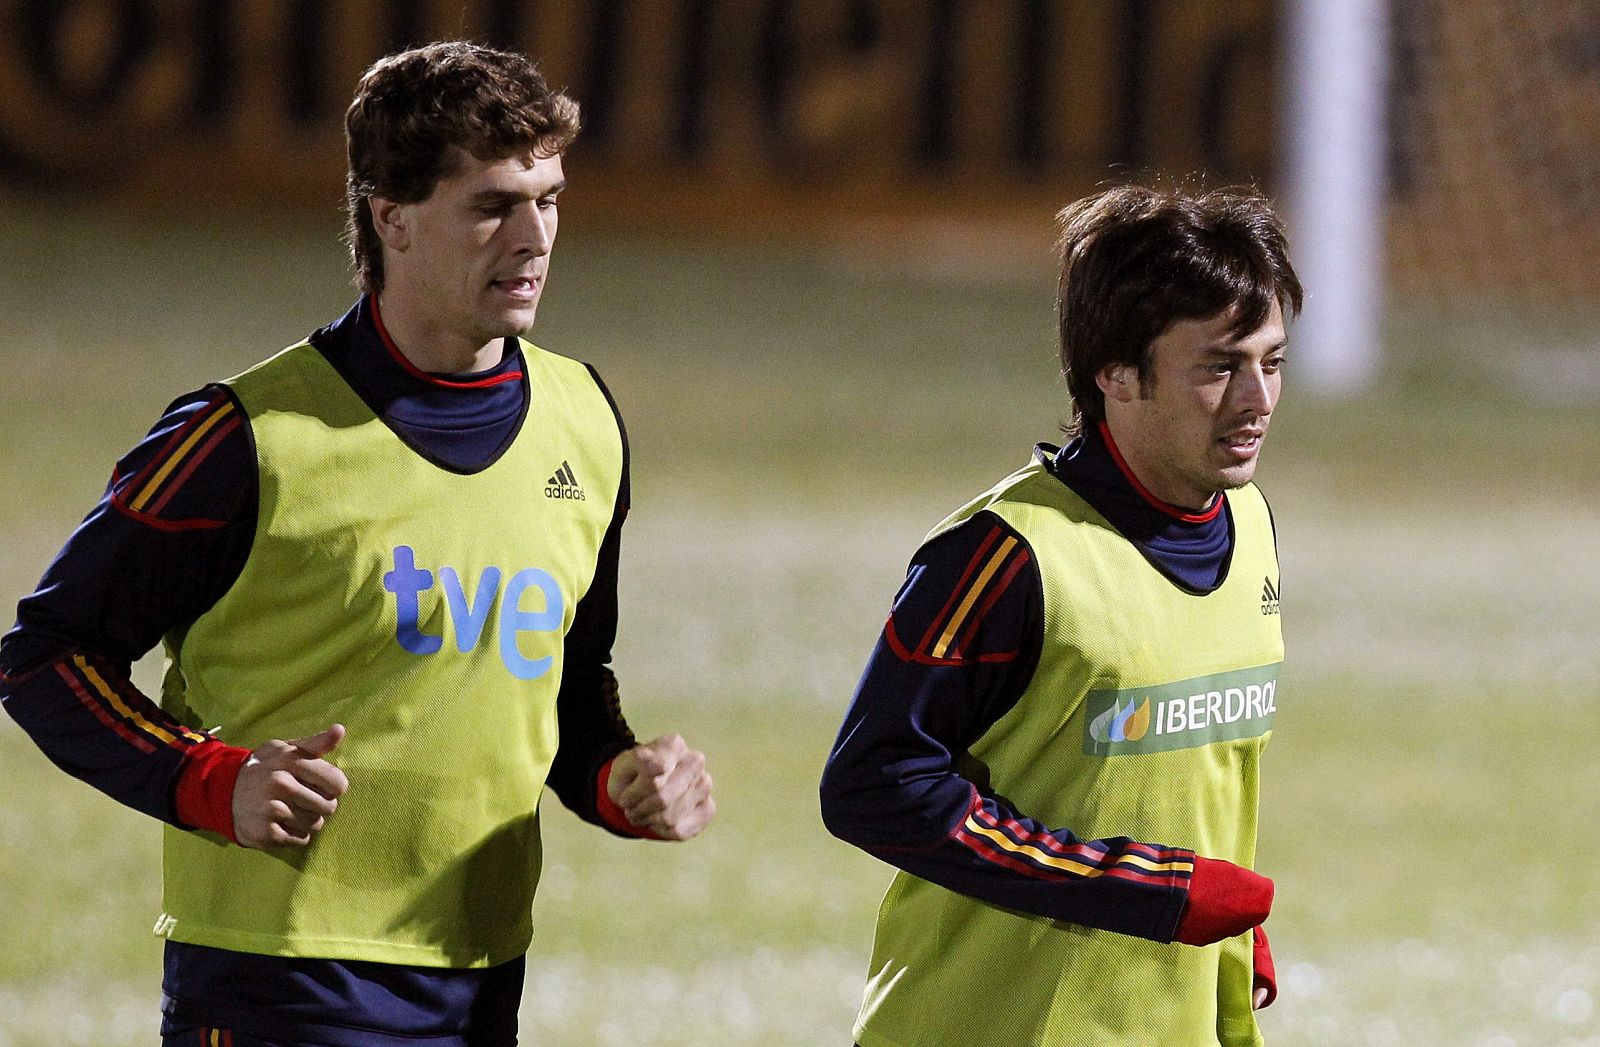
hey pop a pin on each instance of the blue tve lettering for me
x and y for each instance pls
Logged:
(469, 621)
(514, 620)
(406, 581)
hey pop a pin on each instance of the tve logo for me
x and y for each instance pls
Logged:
(407, 580)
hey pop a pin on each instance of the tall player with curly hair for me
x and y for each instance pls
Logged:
(383, 564)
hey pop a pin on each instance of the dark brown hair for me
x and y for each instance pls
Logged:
(411, 108)
(1135, 260)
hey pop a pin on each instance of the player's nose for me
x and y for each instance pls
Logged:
(534, 229)
(1254, 390)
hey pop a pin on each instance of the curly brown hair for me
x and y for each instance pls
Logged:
(1135, 260)
(411, 108)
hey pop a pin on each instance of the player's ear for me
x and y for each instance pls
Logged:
(1119, 382)
(390, 221)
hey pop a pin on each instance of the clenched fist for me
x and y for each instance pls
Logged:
(286, 791)
(663, 787)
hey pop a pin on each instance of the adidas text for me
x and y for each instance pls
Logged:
(564, 484)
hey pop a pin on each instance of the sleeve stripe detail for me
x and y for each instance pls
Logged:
(175, 439)
(128, 713)
(1127, 866)
(906, 655)
(100, 712)
(167, 525)
(1000, 858)
(972, 565)
(194, 463)
(205, 423)
(989, 601)
(972, 596)
(971, 828)
(1147, 855)
(1041, 855)
(24, 677)
(1089, 852)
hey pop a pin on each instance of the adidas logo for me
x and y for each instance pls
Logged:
(564, 485)
(1269, 597)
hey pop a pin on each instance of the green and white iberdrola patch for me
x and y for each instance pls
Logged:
(1181, 715)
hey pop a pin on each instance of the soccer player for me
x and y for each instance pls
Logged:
(1057, 738)
(384, 566)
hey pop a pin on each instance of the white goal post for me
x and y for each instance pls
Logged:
(1335, 58)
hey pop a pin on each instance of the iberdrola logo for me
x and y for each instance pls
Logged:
(1121, 724)
(1228, 706)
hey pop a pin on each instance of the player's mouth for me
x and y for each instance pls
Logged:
(518, 288)
(1243, 444)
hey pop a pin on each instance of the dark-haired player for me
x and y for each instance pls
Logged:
(1057, 738)
(384, 566)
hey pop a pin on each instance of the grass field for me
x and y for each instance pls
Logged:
(798, 419)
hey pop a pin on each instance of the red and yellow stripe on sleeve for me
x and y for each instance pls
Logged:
(987, 576)
(149, 492)
(119, 706)
(1038, 853)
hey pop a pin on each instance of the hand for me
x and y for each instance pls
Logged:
(663, 787)
(286, 791)
(1265, 980)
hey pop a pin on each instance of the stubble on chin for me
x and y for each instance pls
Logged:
(1233, 479)
(509, 324)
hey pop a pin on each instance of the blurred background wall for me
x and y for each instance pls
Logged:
(799, 115)
(1495, 119)
(158, 100)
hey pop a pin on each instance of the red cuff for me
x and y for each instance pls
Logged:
(1266, 976)
(205, 787)
(610, 813)
(1225, 900)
